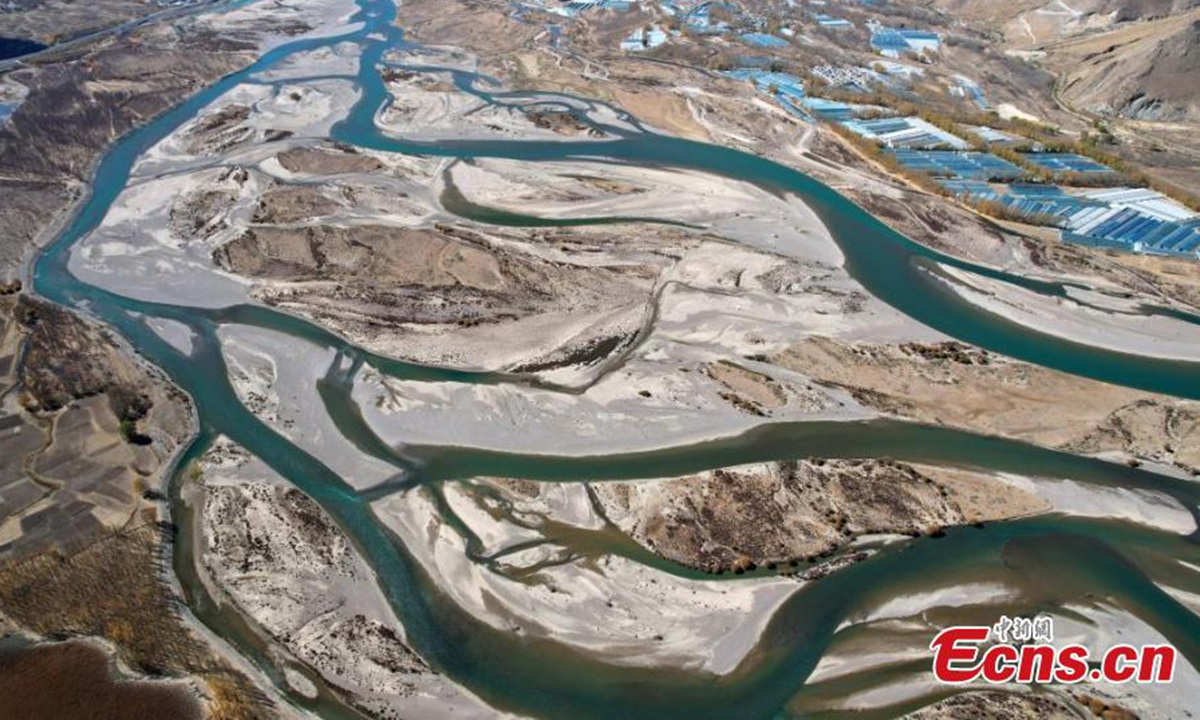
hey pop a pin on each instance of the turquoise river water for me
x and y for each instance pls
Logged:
(1054, 561)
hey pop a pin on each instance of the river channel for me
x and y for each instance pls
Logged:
(1054, 561)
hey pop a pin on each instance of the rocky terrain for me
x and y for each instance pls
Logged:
(956, 385)
(574, 307)
(87, 429)
(1145, 71)
(51, 22)
(74, 110)
(1030, 22)
(367, 279)
(284, 562)
(743, 517)
(361, 242)
(998, 705)
(75, 104)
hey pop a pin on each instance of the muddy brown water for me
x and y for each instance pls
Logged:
(77, 680)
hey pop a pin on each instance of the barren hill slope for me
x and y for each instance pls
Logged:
(1028, 23)
(1145, 71)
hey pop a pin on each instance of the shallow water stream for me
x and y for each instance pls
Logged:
(1052, 561)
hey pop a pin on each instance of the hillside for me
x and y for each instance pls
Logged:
(1144, 71)
(1029, 23)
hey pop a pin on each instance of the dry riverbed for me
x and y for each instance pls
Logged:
(281, 559)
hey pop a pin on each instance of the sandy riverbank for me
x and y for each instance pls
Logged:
(283, 561)
(1085, 317)
(956, 385)
(618, 609)
(275, 376)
